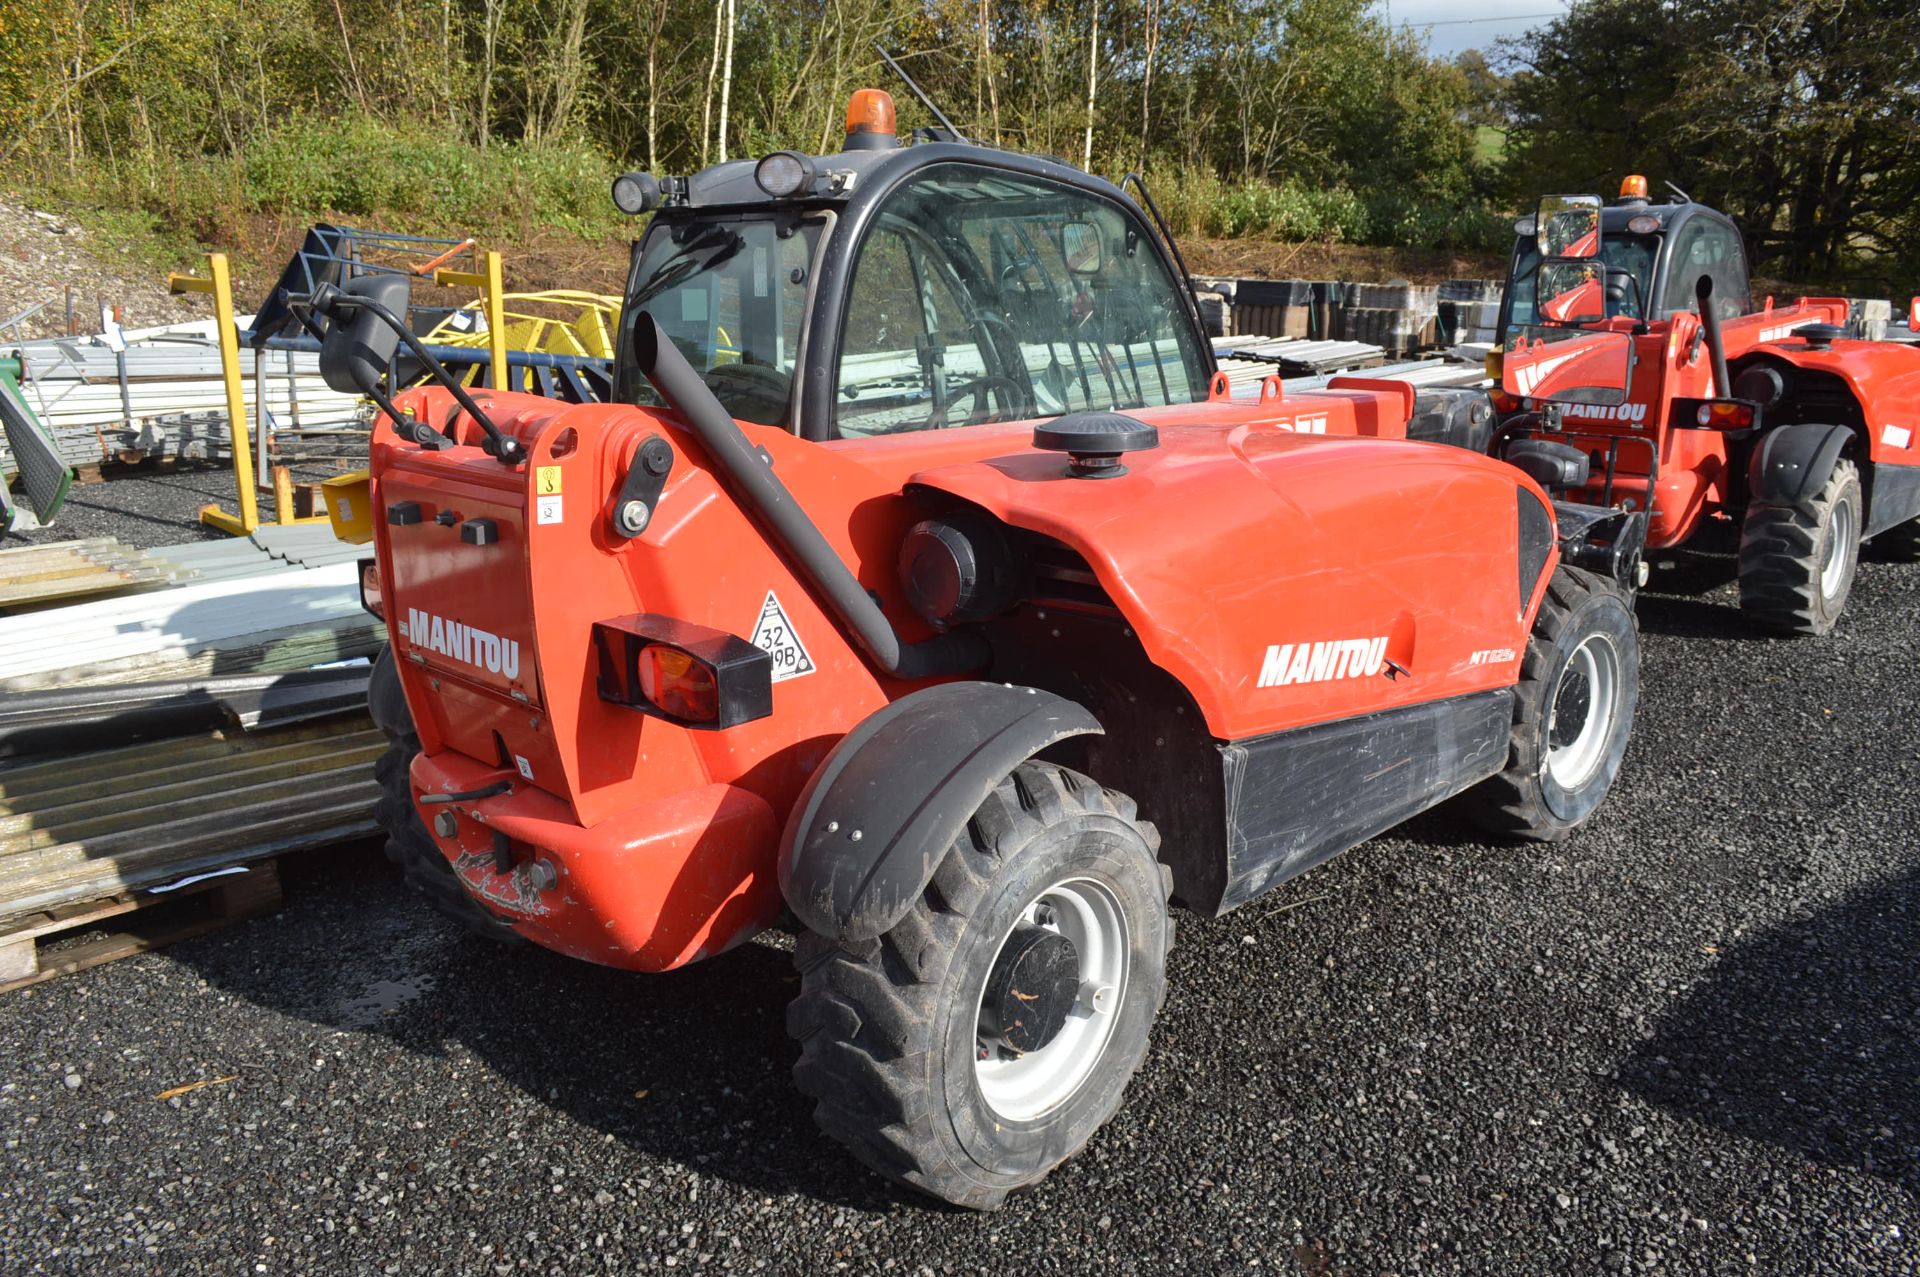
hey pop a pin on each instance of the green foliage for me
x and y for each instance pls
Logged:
(1296, 118)
(362, 168)
(1202, 204)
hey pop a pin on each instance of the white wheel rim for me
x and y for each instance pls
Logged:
(1580, 712)
(1833, 573)
(1029, 1086)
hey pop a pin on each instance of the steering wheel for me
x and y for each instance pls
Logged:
(751, 386)
(976, 389)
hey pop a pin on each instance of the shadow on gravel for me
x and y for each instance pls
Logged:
(690, 1066)
(1806, 1038)
(1686, 618)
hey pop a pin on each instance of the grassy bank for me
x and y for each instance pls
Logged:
(163, 214)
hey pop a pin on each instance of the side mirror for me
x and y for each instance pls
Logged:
(1569, 226)
(1567, 365)
(359, 346)
(1571, 293)
(1080, 245)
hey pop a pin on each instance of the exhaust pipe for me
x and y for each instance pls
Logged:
(1710, 325)
(759, 491)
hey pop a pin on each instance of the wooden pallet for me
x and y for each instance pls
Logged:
(28, 953)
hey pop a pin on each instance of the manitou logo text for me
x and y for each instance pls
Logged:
(1633, 412)
(477, 648)
(1321, 662)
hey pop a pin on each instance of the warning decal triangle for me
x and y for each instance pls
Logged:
(773, 634)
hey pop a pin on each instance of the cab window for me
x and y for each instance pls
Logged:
(982, 296)
(731, 295)
(1632, 254)
(1706, 246)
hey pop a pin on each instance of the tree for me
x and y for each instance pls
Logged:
(1800, 118)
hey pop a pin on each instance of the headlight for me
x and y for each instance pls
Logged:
(783, 174)
(636, 193)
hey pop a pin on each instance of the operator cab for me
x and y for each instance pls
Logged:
(890, 288)
(1654, 254)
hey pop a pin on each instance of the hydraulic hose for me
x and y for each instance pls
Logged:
(752, 483)
(1710, 324)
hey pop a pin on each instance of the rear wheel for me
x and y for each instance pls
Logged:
(986, 1037)
(1797, 565)
(1572, 712)
(412, 849)
(409, 846)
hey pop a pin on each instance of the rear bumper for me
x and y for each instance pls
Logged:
(651, 888)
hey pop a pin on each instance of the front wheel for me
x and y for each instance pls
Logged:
(1797, 565)
(986, 1037)
(1572, 712)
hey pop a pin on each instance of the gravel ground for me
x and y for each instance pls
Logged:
(1684, 1042)
(153, 507)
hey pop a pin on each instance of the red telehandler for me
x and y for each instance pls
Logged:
(924, 593)
(1636, 374)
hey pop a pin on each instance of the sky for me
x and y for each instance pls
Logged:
(1453, 25)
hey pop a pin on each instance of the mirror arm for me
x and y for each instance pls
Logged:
(506, 449)
(410, 428)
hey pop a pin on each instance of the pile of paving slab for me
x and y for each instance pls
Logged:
(1400, 318)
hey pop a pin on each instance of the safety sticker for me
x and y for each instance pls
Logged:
(525, 767)
(547, 481)
(547, 509)
(773, 634)
(1896, 436)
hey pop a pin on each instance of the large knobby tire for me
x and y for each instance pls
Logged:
(1572, 712)
(1797, 566)
(412, 850)
(891, 1033)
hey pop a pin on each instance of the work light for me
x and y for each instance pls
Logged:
(783, 174)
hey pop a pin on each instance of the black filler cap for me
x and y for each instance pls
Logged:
(1094, 441)
(1819, 336)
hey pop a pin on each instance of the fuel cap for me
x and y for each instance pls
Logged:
(1819, 336)
(1095, 441)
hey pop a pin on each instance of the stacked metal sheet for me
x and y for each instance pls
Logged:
(287, 619)
(1246, 371)
(79, 828)
(270, 549)
(1417, 372)
(31, 575)
(1302, 358)
(165, 391)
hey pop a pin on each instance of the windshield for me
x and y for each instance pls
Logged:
(980, 295)
(1634, 254)
(731, 294)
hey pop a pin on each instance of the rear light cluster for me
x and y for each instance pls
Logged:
(682, 672)
(1728, 415)
(1504, 402)
(1736, 416)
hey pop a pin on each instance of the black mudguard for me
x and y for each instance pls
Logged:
(874, 822)
(1792, 463)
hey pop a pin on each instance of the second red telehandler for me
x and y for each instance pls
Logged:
(1637, 374)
